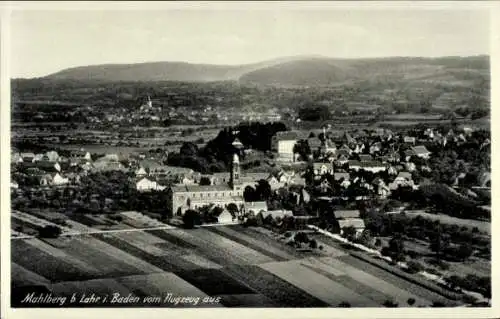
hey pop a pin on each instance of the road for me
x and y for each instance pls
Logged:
(100, 231)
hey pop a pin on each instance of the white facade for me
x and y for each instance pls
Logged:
(285, 149)
(148, 185)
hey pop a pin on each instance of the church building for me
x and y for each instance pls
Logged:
(185, 197)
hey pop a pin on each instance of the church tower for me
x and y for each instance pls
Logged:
(149, 103)
(235, 173)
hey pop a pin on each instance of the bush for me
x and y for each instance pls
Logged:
(411, 301)
(437, 304)
(313, 244)
(191, 218)
(390, 304)
(344, 304)
(49, 231)
(414, 267)
(118, 218)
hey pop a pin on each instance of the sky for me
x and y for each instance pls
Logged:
(47, 41)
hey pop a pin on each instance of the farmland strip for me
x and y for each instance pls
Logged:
(23, 276)
(316, 284)
(283, 293)
(258, 245)
(394, 280)
(157, 263)
(46, 265)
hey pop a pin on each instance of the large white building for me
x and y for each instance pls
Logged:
(283, 143)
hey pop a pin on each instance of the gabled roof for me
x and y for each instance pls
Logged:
(314, 142)
(365, 157)
(406, 175)
(339, 175)
(348, 138)
(150, 164)
(27, 155)
(320, 165)
(366, 163)
(255, 206)
(200, 188)
(420, 149)
(277, 213)
(346, 214)
(354, 222)
(289, 135)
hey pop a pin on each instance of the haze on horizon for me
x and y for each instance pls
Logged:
(44, 42)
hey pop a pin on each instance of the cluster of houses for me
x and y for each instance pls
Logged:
(376, 151)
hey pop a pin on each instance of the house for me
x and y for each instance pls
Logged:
(410, 167)
(404, 179)
(341, 176)
(320, 169)
(27, 157)
(348, 139)
(81, 154)
(16, 158)
(253, 208)
(382, 189)
(365, 157)
(225, 217)
(48, 166)
(58, 180)
(14, 185)
(314, 143)
(146, 184)
(51, 156)
(392, 170)
(277, 213)
(409, 140)
(102, 166)
(359, 148)
(284, 142)
(375, 147)
(485, 180)
(343, 214)
(421, 151)
(342, 159)
(153, 168)
(46, 180)
(370, 166)
(140, 172)
(357, 223)
(348, 218)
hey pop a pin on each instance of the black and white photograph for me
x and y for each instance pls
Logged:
(287, 155)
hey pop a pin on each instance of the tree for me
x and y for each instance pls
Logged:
(437, 304)
(390, 304)
(191, 218)
(49, 231)
(263, 190)
(205, 181)
(395, 250)
(464, 251)
(313, 244)
(249, 194)
(302, 148)
(232, 208)
(439, 243)
(411, 301)
(349, 233)
(414, 267)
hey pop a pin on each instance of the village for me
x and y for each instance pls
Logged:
(366, 188)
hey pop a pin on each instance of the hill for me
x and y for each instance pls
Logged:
(291, 71)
